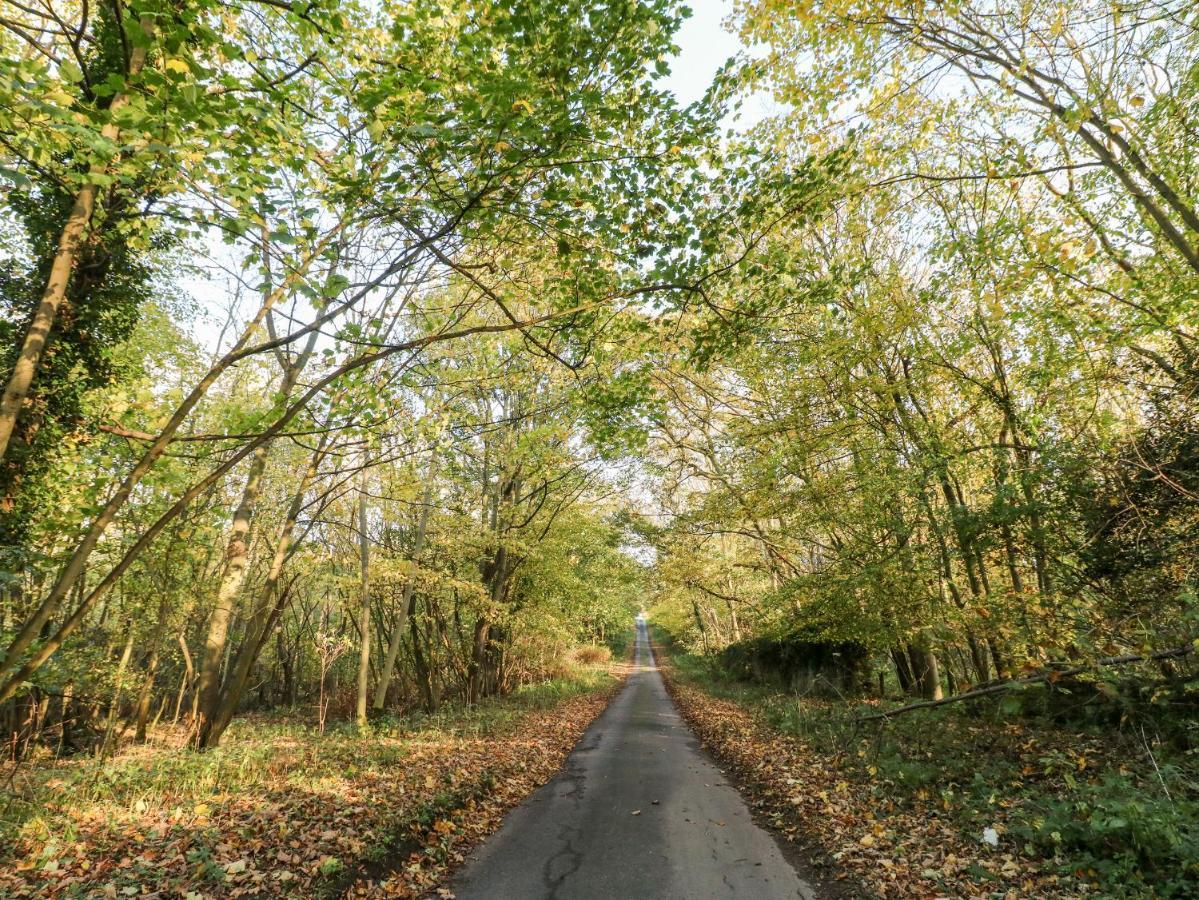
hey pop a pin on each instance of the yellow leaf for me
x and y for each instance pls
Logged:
(177, 65)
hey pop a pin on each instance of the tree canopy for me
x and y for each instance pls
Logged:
(386, 352)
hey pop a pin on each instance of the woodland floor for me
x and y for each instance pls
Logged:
(904, 809)
(281, 810)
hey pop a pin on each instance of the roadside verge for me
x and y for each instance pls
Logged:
(282, 810)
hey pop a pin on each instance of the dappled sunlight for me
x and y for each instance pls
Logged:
(385, 383)
(273, 810)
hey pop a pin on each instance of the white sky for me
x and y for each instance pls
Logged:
(705, 46)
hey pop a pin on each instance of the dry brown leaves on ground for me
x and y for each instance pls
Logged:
(889, 849)
(370, 816)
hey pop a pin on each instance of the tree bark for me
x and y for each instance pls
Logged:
(397, 634)
(930, 682)
(65, 258)
(114, 707)
(364, 615)
(232, 578)
(266, 612)
(903, 669)
(424, 674)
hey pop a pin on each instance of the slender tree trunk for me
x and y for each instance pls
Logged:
(903, 670)
(64, 737)
(115, 706)
(189, 674)
(734, 625)
(474, 678)
(267, 609)
(233, 575)
(397, 634)
(424, 674)
(364, 615)
(65, 258)
(142, 713)
(699, 622)
(142, 710)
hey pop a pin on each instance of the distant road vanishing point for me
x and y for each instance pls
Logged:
(638, 811)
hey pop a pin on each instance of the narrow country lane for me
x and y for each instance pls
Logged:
(638, 811)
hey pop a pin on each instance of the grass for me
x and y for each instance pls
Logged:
(495, 714)
(1111, 805)
(56, 802)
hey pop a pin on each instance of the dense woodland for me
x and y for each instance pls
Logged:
(954, 424)
(361, 358)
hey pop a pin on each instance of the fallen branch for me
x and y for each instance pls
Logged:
(1003, 686)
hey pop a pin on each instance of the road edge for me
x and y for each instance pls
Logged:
(424, 829)
(809, 858)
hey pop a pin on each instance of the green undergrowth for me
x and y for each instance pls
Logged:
(620, 643)
(487, 717)
(277, 751)
(1114, 805)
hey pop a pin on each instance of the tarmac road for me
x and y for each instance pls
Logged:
(638, 811)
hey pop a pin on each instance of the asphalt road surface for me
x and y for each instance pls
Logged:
(638, 811)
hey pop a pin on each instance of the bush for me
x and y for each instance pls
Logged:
(1129, 836)
(819, 667)
(592, 655)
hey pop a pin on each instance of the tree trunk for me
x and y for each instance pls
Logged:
(189, 674)
(208, 686)
(903, 670)
(424, 675)
(699, 622)
(65, 257)
(364, 615)
(474, 679)
(397, 634)
(925, 662)
(114, 707)
(142, 712)
(267, 609)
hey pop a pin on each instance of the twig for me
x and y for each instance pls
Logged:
(1153, 759)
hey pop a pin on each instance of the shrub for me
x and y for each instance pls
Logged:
(1128, 836)
(592, 655)
(798, 664)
